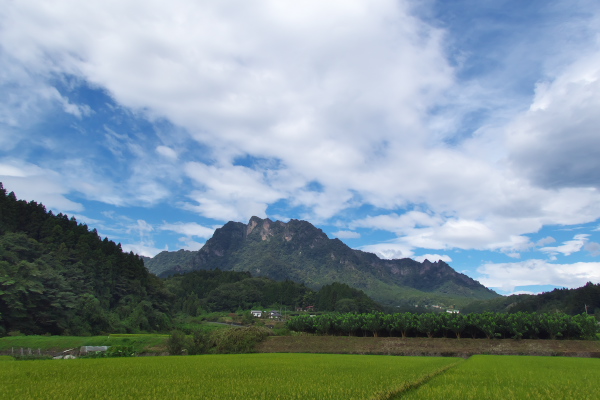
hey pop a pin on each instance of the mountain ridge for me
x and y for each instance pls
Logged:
(299, 251)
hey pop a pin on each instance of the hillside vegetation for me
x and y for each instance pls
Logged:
(58, 277)
(300, 252)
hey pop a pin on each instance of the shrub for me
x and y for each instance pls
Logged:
(177, 343)
(239, 340)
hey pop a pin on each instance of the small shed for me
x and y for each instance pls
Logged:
(256, 313)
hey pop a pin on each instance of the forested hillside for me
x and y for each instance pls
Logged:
(585, 299)
(216, 290)
(58, 277)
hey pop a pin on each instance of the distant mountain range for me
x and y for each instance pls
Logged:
(299, 251)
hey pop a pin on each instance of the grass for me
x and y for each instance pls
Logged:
(140, 342)
(246, 376)
(515, 377)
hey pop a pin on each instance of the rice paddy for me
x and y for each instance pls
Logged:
(247, 376)
(302, 376)
(515, 377)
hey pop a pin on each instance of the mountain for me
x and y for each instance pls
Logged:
(299, 251)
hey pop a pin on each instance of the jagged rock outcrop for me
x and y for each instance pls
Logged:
(299, 251)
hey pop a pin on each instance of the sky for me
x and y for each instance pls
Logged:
(466, 131)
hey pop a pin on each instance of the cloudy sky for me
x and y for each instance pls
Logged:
(465, 130)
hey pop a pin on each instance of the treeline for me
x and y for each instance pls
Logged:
(215, 290)
(486, 325)
(585, 299)
(58, 277)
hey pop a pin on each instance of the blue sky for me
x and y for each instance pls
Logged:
(465, 131)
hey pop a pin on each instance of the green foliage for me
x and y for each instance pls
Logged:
(342, 298)
(488, 325)
(219, 291)
(58, 277)
(239, 340)
(199, 343)
(177, 343)
(585, 299)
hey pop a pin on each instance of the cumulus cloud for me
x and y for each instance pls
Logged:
(231, 193)
(538, 272)
(30, 182)
(326, 107)
(554, 142)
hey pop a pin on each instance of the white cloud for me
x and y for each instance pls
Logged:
(389, 251)
(30, 182)
(142, 250)
(554, 142)
(189, 229)
(347, 234)
(167, 152)
(538, 272)
(545, 241)
(338, 94)
(230, 193)
(433, 258)
(569, 247)
(189, 244)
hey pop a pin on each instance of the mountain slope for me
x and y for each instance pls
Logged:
(301, 252)
(58, 277)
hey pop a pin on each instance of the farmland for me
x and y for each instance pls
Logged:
(247, 376)
(515, 377)
(302, 376)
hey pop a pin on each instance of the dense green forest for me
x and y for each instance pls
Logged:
(200, 291)
(585, 299)
(58, 277)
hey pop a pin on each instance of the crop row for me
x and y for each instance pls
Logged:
(485, 325)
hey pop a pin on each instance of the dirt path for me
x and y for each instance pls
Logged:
(428, 347)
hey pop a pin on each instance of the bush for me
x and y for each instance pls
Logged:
(177, 343)
(200, 343)
(239, 340)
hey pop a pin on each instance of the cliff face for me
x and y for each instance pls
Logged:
(299, 251)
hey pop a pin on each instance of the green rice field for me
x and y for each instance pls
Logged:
(515, 377)
(302, 376)
(246, 376)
